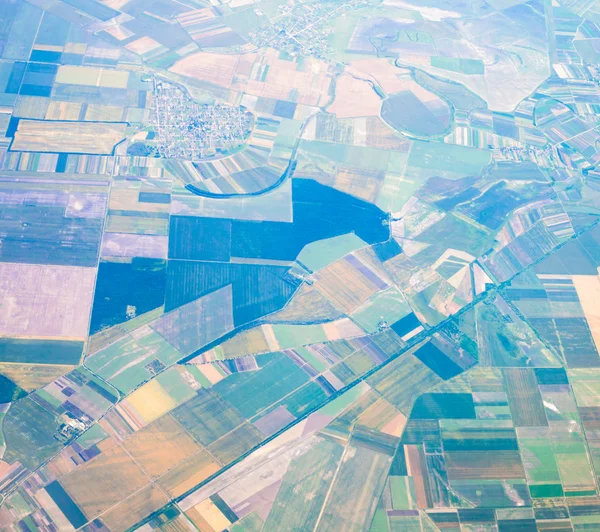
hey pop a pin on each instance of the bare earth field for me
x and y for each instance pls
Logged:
(45, 301)
(68, 137)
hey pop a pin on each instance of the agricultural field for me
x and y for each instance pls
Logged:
(67, 137)
(288, 265)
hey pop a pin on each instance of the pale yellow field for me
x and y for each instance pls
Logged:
(151, 401)
(384, 417)
(92, 76)
(307, 304)
(342, 328)
(78, 75)
(31, 107)
(33, 376)
(200, 523)
(248, 342)
(395, 427)
(252, 341)
(188, 473)
(588, 292)
(344, 286)
(354, 98)
(48, 47)
(381, 70)
(60, 465)
(75, 48)
(63, 110)
(143, 45)
(104, 481)
(211, 373)
(117, 79)
(161, 446)
(209, 515)
(242, 73)
(219, 68)
(125, 196)
(68, 137)
(132, 510)
(45, 301)
(104, 113)
(360, 183)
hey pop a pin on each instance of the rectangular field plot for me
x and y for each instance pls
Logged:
(403, 380)
(252, 391)
(68, 137)
(188, 473)
(136, 507)
(28, 352)
(524, 398)
(147, 403)
(104, 481)
(29, 443)
(208, 417)
(32, 376)
(95, 77)
(348, 283)
(353, 498)
(65, 504)
(479, 465)
(128, 362)
(44, 301)
(236, 443)
(129, 245)
(304, 488)
(51, 223)
(180, 326)
(161, 445)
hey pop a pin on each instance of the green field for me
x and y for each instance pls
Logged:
(235, 443)
(29, 443)
(355, 491)
(253, 391)
(304, 488)
(208, 417)
(40, 351)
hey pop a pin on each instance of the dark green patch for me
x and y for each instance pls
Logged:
(551, 376)
(154, 197)
(66, 504)
(444, 406)
(29, 431)
(306, 398)
(9, 391)
(252, 391)
(40, 351)
(257, 289)
(222, 506)
(139, 284)
(374, 440)
(437, 361)
(207, 416)
(540, 491)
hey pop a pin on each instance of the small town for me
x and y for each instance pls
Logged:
(187, 130)
(301, 28)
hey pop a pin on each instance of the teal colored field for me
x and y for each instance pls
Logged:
(253, 391)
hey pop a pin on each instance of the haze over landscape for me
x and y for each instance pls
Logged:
(299, 265)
